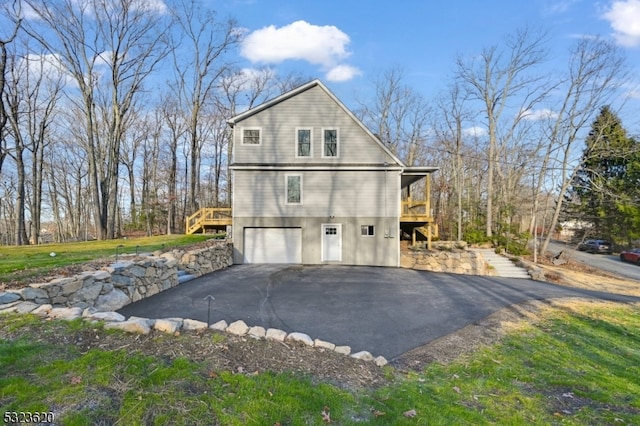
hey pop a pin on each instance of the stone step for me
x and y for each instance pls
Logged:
(504, 267)
(183, 276)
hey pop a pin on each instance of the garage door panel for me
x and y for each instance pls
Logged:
(272, 245)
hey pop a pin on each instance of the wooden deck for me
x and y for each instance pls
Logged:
(414, 218)
(209, 218)
(415, 211)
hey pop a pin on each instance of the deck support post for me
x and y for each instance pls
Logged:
(427, 197)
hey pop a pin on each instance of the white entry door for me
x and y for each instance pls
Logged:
(331, 242)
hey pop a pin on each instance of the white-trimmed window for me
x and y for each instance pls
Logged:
(367, 230)
(293, 189)
(330, 142)
(304, 142)
(251, 136)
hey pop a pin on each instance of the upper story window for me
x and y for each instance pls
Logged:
(304, 136)
(251, 136)
(330, 142)
(293, 189)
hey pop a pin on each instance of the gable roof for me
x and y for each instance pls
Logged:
(314, 83)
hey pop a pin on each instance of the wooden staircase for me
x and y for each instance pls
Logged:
(209, 218)
(415, 220)
(429, 231)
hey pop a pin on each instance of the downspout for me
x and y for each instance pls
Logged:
(386, 213)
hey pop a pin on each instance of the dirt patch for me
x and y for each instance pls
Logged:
(565, 402)
(580, 275)
(216, 351)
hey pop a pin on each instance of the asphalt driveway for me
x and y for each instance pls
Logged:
(386, 311)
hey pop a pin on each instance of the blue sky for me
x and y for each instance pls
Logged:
(348, 43)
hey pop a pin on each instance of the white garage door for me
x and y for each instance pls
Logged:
(273, 245)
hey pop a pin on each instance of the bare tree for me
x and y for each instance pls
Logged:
(11, 14)
(240, 91)
(66, 179)
(31, 95)
(176, 129)
(128, 156)
(399, 116)
(216, 157)
(151, 184)
(498, 78)
(42, 118)
(206, 43)
(7, 209)
(596, 71)
(449, 130)
(109, 48)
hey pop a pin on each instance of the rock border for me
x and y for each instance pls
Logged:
(138, 325)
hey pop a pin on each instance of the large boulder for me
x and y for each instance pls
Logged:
(133, 325)
(112, 301)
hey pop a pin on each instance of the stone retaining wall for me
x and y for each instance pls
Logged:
(449, 259)
(125, 282)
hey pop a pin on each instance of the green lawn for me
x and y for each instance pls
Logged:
(578, 366)
(17, 262)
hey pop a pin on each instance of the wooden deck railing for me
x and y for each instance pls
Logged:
(411, 211)
(208, 217)
(415, 211)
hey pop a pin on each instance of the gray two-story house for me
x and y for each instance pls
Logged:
(312, 185)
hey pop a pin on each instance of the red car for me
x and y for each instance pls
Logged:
(632, 256)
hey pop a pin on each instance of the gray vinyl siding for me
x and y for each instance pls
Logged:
(383, 249)
(351, 190)
(313, 109)
(261, 193)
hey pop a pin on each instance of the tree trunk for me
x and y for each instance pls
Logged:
(21, 229)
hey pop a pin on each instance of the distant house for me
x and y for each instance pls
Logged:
(571, 229)
(312, 185)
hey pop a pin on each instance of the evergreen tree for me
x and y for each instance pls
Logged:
(629, 203)
(605, 186)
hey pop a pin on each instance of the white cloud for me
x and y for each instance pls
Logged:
(536, 115)
(28, 13)
(475, 131)
(47, 66)
(633, 92)
(157, 6)
(300, 40)
(624, 18)
(256, 74)
(52, 67)
(105, 58)
(146, 6)
(342, 73)
(149, 6)
(325, 46)
(560, 7)
(579, 36)
(246, 78)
